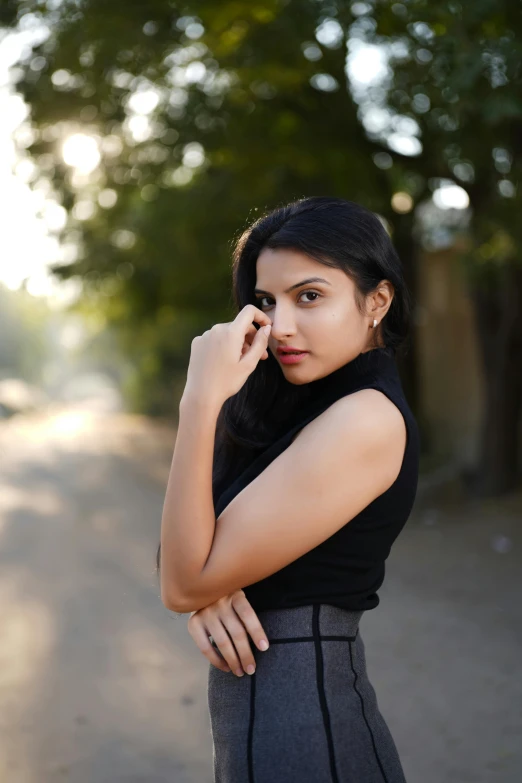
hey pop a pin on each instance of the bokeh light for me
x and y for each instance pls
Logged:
(81, 152)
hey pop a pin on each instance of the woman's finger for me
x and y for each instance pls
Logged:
(200, 635)
(239, 636)
(248, 315)
(258, 346)
(249, 619)
(250, 336)
(216, 627)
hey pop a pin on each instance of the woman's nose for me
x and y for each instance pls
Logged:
(283, 324)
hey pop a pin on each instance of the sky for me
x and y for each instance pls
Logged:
(28, 220)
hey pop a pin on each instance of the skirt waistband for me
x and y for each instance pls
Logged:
(309, 622)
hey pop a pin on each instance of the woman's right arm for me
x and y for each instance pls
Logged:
(228, 621)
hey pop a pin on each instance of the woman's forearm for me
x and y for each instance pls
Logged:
(188, 520)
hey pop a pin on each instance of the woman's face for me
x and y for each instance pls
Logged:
(320, 317)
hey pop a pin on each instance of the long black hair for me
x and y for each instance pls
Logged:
(336, 233)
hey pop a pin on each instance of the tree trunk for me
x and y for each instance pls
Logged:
(497, 306)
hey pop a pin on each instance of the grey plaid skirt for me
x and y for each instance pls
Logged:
(309, 713)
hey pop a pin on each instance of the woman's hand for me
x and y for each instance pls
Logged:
(228, 621)
(222, 358)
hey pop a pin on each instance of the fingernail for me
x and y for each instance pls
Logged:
(251, 669)
(267, 328)
(227, 669)
(239, 672)
(263, 644)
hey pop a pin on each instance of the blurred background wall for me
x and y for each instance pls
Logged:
(450, 370)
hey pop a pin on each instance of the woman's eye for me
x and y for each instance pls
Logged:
(311, 293)
(303, 293)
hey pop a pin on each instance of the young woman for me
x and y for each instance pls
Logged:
(295, 468)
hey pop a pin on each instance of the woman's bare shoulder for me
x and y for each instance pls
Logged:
(370, 405)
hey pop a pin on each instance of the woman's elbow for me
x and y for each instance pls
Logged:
(172, 600)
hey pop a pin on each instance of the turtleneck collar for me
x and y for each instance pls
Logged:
(364, 363)
(323, 391)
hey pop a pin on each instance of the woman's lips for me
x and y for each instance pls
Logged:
(292, 358)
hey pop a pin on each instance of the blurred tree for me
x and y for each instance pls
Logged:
(457, 71)
(179, 123)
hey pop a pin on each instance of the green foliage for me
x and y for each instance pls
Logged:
(458, 73)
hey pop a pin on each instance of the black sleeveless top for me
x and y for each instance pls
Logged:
(347, 569)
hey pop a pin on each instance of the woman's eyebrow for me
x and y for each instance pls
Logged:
(296, 285)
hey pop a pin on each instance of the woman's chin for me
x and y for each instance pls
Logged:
(296, 374)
